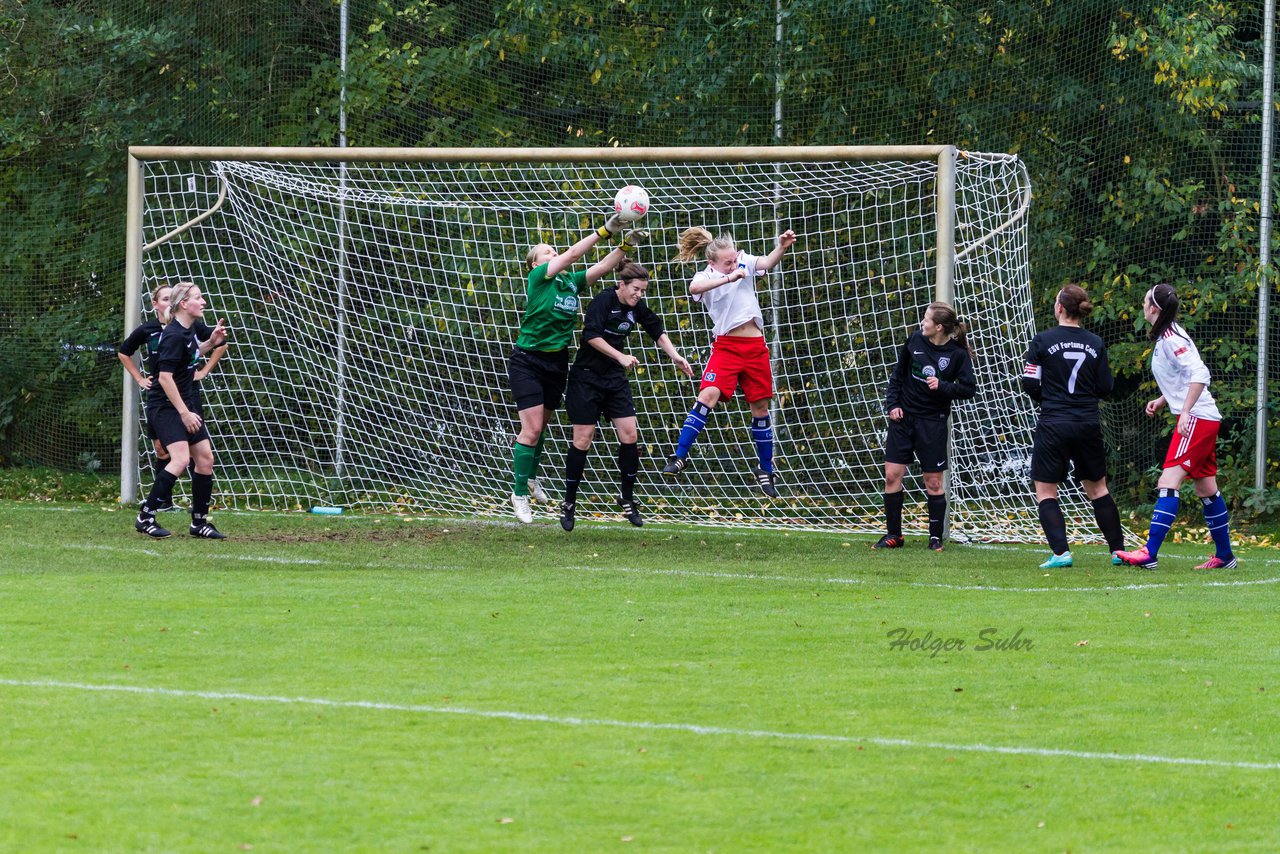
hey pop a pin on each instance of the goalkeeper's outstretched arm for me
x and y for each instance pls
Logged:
(562, 261)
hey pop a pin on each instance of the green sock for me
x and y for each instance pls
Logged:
(523, 460)
(537, 454)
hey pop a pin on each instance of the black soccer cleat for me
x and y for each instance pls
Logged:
(935, 544)
(889, 542)
(206, 531)
(674, 466)
(167, 506)
(765, 480)
(147, 525)
(632, 513)
(566, 514)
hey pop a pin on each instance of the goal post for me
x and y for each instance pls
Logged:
(377, 292)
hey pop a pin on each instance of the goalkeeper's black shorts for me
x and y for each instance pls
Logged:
(537, 378)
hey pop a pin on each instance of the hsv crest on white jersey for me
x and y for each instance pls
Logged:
(1176, 364)
(733, 304)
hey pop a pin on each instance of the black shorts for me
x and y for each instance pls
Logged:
(537, 378)
(922, 438)
(167, 426)
(591, 395)
(1058, 443)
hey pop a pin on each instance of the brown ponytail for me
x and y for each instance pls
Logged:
(945, 316)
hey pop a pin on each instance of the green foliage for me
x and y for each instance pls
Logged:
(1139, 125)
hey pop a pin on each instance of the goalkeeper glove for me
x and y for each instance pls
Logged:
(633, 239)
(611, 226)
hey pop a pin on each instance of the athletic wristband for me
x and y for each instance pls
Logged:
(604, 232)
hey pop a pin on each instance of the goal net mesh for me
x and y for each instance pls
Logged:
(372, 308)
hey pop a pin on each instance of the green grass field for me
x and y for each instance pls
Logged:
(393, 684)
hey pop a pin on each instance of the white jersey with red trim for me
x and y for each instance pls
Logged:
(733, 304)
(1176, 364)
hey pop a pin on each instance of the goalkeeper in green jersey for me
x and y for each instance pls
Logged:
(539, 364)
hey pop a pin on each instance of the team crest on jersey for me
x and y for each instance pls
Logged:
(929, 371)
(943, 362)
(567, 303)
(709, 376)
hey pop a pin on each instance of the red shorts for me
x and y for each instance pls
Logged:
(1195, 453)
(735, 358)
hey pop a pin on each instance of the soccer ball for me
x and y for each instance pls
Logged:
(631, 203)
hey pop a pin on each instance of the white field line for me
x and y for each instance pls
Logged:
(740, 576)
(286, 561)
(694, 729)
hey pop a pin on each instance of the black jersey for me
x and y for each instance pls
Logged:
(178, 354)
(606, 317)
(920, 359)
(1067, 372)
(145, 337)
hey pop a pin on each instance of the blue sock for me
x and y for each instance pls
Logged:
(1162, 519)
(762, 435)
(1215, 516)
(693, 424)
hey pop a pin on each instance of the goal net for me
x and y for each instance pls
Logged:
(373, 305)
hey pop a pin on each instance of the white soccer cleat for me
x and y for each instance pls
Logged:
(521, 505)
(536, 492)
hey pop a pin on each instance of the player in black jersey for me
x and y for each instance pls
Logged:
(598, 384)
(173, 417)
(146, 337)
(934, 368)
(1067, 372)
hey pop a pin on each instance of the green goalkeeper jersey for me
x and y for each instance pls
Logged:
(551, 310)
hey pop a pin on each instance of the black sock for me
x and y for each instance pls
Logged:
(157, 466)
(575, 462)
(201, 495)
(937, 516)
(1055, 527)
(628, 468)
(893, 513)
(1108, 517)
(160, 495)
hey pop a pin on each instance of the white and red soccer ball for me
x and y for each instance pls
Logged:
(631, 203)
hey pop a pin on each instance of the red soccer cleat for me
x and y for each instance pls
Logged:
(1138, 557)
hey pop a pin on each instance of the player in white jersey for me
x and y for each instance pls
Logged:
(1184, 387)
(738, 354)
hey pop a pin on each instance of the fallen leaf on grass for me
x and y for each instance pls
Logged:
(505, 820)
(256, 802)
(1082, 643)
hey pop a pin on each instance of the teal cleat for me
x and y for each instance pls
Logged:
(1115, 559)
(1057, 561)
